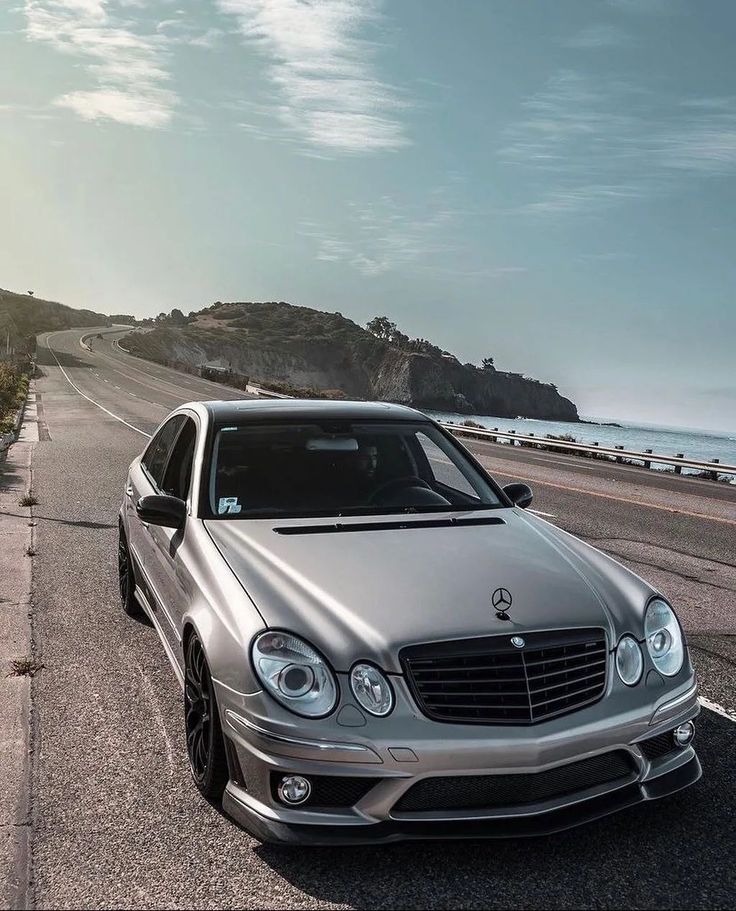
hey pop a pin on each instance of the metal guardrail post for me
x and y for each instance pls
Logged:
(647, 463)
(714, 474)
(678, 468)
(618, 458)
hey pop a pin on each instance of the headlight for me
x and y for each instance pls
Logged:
(295, 674)
(664, 637)
(629, 660)
(371, 689)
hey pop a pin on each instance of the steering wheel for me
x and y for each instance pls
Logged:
(397, 484)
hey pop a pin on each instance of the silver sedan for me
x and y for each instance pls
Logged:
(376, 641)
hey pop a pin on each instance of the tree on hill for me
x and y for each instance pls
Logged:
(487, 364)
(382, 327)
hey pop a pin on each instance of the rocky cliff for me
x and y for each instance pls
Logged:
(310, 348)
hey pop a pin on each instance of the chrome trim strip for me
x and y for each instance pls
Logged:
(283, 738)
(674, 703)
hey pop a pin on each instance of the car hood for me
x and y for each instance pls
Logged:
(366, 593)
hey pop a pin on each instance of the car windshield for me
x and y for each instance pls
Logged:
(341, 468)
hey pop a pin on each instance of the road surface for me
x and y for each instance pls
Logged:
(116, 820)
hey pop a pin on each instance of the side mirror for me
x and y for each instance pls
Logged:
(170, 512)
(520, 494)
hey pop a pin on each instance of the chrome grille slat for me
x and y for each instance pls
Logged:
(489, 681)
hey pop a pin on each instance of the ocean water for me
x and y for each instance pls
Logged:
(693, 444)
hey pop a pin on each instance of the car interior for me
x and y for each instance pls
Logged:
(303, 468)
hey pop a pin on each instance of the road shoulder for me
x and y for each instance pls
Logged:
(17, 535)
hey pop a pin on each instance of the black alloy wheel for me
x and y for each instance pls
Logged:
(205, 745)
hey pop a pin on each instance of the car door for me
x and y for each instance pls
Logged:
(168, 573)
(145, 478)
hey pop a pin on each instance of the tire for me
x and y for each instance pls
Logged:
(126, 578)
(205, 743)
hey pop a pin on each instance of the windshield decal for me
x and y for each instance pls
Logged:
(228, 505)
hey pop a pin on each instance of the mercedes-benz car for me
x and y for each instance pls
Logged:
(377, 641)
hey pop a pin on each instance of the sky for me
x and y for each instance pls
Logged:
(549, 183)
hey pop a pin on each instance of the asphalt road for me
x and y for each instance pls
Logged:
(116, 821)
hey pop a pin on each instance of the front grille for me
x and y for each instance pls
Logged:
(657, 746)
(489, 681)
(329, 791)
(483, 792)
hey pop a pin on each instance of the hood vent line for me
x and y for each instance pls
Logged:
(334, 527)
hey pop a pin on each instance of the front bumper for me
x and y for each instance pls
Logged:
(273, 830)
(410, 749)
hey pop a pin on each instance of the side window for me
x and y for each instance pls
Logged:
(444, 471)
(178, 473)
(154, 458)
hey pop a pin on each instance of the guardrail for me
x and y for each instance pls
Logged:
(617, 452)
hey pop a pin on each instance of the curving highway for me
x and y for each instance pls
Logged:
(115, 819)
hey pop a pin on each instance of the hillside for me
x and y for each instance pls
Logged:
(24, 316)
(278, 342)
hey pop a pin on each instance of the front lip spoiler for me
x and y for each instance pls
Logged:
(269, 830)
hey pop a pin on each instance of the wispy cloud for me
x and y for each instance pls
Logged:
(705, 142)
(388, 236)
(598, 36)
(127, 67)
(323, 69)
(589, 145)
(384, 236)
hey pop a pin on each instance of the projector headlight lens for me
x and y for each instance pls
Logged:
(372, 690)
(294, 673)
(629, 660)
(664, 637)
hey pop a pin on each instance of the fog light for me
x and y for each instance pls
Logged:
(684, 733)
(294, 789)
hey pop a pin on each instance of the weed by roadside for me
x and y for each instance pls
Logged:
(29, 499)
(24, 667)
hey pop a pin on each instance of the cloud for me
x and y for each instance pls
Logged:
(597, 36)
(592, 144)
(387, 236)
(322, 68)
(580, 199)
(705, 142)
(130, 79)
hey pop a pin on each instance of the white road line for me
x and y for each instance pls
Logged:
(77, 389)
(718, 709)
(538, 512)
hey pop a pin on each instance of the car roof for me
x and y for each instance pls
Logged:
(236, 411)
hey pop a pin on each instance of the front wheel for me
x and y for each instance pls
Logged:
(126, 578)
(205, 744)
